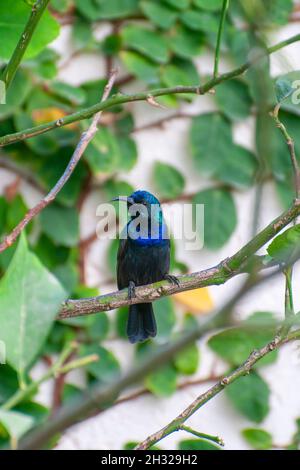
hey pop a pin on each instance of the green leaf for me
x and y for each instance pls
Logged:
(9, 382)
(73, 95)
(220, 216)
(168, 181)
(179, 4)
(180, 71)
(258, 438)
(162, 382)
(250, 396)
(82, 34)
(121, 321)
(238, 168)
(285, 245)
(103, 153)
(210, 138)
(106, 368)
(26, 318)
(113, 188)
(278, 11)
(197, 444)
(17, 424)
(104, 10)
(127, 152)
(146, 41)
(61, 224)
(185, 43)
(235, 344)
(16, 95)
(165, 318)
(159, 14)
(210, 5)
(187, 361)
(13, 17)
(283, 89)
(43, 144)
(200, 21)
(140, 66)
(234, 100)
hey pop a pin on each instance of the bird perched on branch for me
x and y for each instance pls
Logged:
(143, 258)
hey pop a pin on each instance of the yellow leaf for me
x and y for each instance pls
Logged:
(41, 116)
(197, 301)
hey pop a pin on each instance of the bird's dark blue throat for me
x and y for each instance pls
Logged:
(143, 258)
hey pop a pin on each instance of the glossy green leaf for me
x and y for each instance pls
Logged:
(197, 444)
(187, 361)
(104, 10)
(179, 4)
(200, 21)
(250, 396)
(168, 181)
(13, 17)
(103, 153)
(146, 41)
(210, 139)
(286, 245)
(140, 66)
(60, 224)
(165, 318)
(106, 368)
(220, 216)
(158, 13)
(17, 424)
(16, 95)
(258, 438)
(235, 344)
(233, 99)
(26, 318)
(238, 167)
(210, 5)
(185, 43)
(162, 382)
(72, 94)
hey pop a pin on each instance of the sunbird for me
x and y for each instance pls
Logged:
(143, 258)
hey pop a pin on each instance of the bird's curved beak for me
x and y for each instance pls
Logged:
(129, 199)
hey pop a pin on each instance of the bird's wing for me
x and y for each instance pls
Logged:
(120, 258)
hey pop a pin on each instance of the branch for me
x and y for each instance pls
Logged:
(219, 38)
(101, 395)
(291, 146)
(216, 275)
(36, 13)
(84, 141)
(244, 369)
(144, 96)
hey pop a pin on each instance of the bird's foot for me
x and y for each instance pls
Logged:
(131, 290)
(172, 279)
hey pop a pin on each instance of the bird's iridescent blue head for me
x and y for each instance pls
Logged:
(146, 223)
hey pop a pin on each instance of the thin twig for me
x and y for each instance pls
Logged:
(219, 38)
(143, 96)
(244, 369)
(102, 395)
(84, 141)
(36, 13)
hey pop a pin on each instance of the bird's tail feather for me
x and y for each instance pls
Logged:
(141, 323)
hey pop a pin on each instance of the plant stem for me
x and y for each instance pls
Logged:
(202, 435)
(244, 369)
(216, 275)
(219, 38)
(100, 395)
(84, 141)
(144, 96)
(289, 302)
(36, 13)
